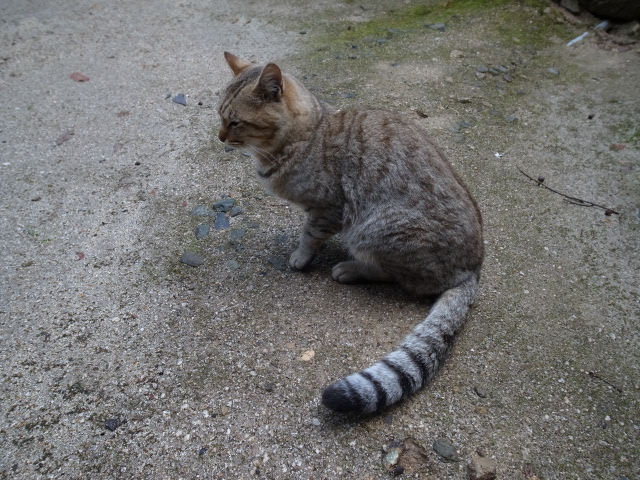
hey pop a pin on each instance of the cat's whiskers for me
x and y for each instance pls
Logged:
(262, 151)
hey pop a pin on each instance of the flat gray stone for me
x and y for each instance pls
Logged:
(192, 259)
(222, 222)
(224, 205)
(201, 211)
(445, 449)
(278, 263)
(202, 231)
(180, 99)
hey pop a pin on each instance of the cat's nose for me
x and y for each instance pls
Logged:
(222, 135)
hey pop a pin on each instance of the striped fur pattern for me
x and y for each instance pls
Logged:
(376, 178)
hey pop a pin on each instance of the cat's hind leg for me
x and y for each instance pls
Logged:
(353, 271)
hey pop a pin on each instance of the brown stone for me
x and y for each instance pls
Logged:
(481, 468)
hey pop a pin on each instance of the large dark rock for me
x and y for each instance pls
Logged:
(625, 10)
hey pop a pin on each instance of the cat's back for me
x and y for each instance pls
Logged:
(386, 150)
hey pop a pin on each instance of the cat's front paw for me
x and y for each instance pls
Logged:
(300, 259)
(347, 272)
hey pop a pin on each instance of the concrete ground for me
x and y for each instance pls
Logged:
(120, 361)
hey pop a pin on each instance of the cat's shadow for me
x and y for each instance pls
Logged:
(333, 252)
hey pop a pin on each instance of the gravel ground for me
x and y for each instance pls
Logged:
(119, 360)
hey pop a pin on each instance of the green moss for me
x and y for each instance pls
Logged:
(626, 131)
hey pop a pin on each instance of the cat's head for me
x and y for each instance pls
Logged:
(258, 108)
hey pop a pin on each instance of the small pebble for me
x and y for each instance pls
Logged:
(192, 259)
(113, 423)
(224, 205)
(235, 211)
(482, 69)
(507, 78)
(445, 449)
(201, 211)
(502, 69)
(180, 99)
(202, 231)
(202, 451)
(510, 118)
(481, 468)
(282, 239)
(480, 75)
(233, 265)
(278, 263)
(316, 422)
(441, 27)
(553, 71)
(494, 72)
(481, 392)
(236, 235)
(222, 222)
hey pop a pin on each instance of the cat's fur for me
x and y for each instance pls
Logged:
(376, 178)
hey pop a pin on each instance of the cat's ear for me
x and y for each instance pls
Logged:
(270, 82)
(237, 64)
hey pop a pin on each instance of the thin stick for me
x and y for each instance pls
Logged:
(595, 375)
(570, 199)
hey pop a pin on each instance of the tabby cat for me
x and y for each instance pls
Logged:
(376, 178)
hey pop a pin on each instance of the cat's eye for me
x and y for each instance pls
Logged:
(234, 123)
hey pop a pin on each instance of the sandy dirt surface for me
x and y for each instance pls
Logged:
(120, 361)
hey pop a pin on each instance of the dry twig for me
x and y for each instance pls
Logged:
(573, 200)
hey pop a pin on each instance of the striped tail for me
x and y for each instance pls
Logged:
(407, 369)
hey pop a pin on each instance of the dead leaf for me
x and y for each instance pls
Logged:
(617, 147)
(80, 255)
(78, 77)
(308, 355)
(64, 137)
